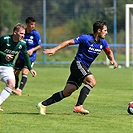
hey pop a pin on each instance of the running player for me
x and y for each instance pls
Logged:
(90, 46)
(10, 46)
(33, 42)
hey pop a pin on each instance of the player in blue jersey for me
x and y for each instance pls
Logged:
(10, 46)
(33, 42)
(90, 46)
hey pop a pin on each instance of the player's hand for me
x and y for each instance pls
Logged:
(49, 51)
(9, 57)
(33, 72)
(30, 52)
(114, 63)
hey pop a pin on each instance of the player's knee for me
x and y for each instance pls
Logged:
(10, 84)
(69, 89)
(90, 81)
(67, 93)
(25, 71)
(16, 72)
(93, 83)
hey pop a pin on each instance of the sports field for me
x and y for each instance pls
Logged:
(107, 104)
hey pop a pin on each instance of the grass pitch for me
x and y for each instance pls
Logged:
(107, 104)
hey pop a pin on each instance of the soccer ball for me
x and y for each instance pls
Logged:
(130, 108)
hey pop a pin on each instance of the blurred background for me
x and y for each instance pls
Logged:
(59, 20)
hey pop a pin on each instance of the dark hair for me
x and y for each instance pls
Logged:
(30, 19)
(99, 25)
(18, 26)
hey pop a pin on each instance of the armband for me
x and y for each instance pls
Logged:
(107, 49)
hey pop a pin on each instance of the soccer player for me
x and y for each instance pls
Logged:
(33, 42)
(10, 46)
(90, 46)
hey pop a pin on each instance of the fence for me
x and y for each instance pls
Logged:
(120, 55)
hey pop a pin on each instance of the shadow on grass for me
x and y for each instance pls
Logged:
(33, 113)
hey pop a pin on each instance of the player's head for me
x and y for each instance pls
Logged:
(30, 19)
(100, 28)
(30, 22)
(18, 32)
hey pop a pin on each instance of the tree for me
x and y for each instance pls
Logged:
(10, 14)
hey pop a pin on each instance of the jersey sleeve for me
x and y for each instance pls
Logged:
(26, 56)
(80, 39)
(105, 44)
(1, 42)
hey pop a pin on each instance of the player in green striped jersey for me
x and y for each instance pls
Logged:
(10, 46)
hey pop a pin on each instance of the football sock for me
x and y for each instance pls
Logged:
(5, 94)
(54, 98)
(83, 94)
(23, 81)
(16, 80)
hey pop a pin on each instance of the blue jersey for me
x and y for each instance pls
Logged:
(89, 49)
(32, 39)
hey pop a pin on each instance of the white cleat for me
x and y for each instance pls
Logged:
(42, 108)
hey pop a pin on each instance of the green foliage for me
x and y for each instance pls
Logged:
(72, 28)
(80, 27)
(64, 19)
(107, 104)
(10, 14)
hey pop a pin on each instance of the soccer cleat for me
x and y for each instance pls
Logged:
(1, 109)
(17, 92)
(42, 108)
(80, 109)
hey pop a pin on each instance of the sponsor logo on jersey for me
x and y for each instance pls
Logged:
(95, 50)
(77, 38)
(20, 47)
(101, 46)
(7, 37)
(29, 40)
(8, 45)
(31, 37)
(8, 51)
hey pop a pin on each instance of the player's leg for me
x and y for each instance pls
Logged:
(89, 84)
(56, 97)
(24, 77)
(18, 90)
(81, 74)
(7, 77)
(16, 73)
(19, 64)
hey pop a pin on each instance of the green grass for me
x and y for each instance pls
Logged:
(107, 104)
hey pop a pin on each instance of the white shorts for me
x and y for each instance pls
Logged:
(6, 73)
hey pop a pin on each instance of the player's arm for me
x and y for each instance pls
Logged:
(8, 57)
(2, 54)
(110, 56)
(60, 46)
(34, 49)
